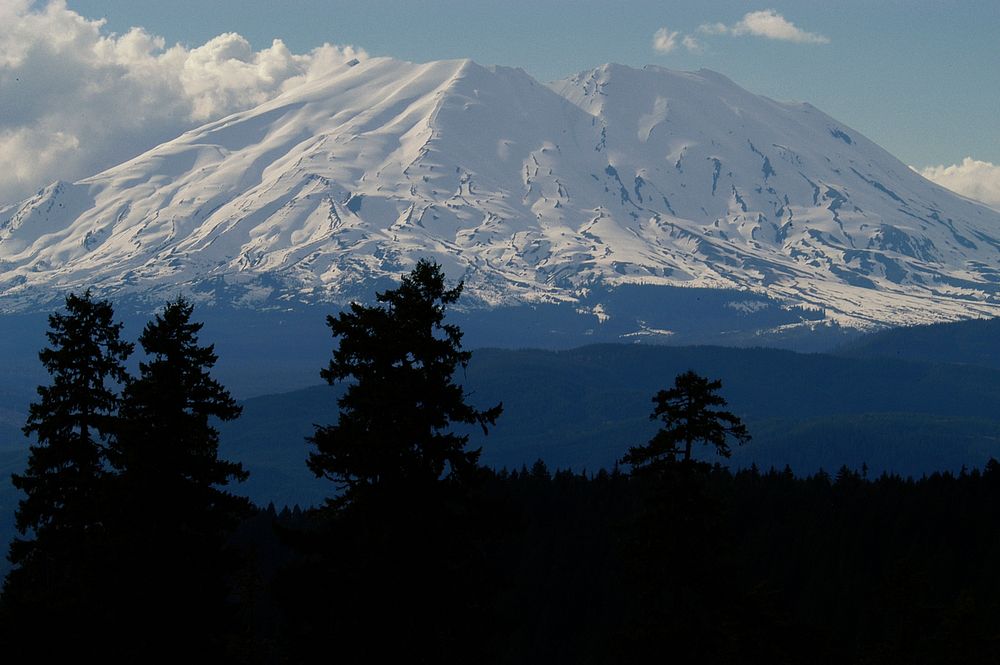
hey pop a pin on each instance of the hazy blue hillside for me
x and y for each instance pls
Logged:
(584, 407)
(279, 350)
(970, 342)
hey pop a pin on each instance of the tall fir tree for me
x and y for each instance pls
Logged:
(400, 359)
(174, 513)
(62, 518)
(401, 549)
(169, 446)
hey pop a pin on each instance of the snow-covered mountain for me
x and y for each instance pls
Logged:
(529, 192)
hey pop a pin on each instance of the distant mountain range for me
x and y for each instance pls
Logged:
(560, 194)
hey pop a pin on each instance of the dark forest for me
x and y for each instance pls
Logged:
(136, 546)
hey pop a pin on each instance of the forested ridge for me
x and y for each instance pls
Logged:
(136, 546)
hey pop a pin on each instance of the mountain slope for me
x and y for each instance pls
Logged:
(530, 193)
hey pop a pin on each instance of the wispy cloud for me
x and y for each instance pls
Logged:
(665, 41)
(973, 178)
(768, 24)
(77, 99)
(713, 28)
(692, 44)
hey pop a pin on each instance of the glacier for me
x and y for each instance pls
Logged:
(530, 193)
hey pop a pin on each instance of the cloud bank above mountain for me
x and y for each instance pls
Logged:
(77, 99)
(768, 24)
(973, 178)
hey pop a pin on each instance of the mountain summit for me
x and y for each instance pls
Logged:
(529, 192)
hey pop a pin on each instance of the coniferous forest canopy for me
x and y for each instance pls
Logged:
(136, 543)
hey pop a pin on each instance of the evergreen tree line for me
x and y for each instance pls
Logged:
(132, 550)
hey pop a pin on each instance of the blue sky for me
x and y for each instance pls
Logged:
(919, 77)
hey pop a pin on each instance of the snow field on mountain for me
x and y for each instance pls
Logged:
(527, 192)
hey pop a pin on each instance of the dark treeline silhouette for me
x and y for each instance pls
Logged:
(132, 550)
(609, 567)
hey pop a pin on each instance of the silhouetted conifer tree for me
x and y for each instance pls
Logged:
(678, 536)
(174, 516)
(394, 417)
(688, 417)
(62, 515)
(400, 553)
(168, 452)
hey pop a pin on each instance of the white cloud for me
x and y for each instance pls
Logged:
(973, 178)
(665, 41)
(713, 28)
(765, 23)
(77, 99)
(692, 44)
